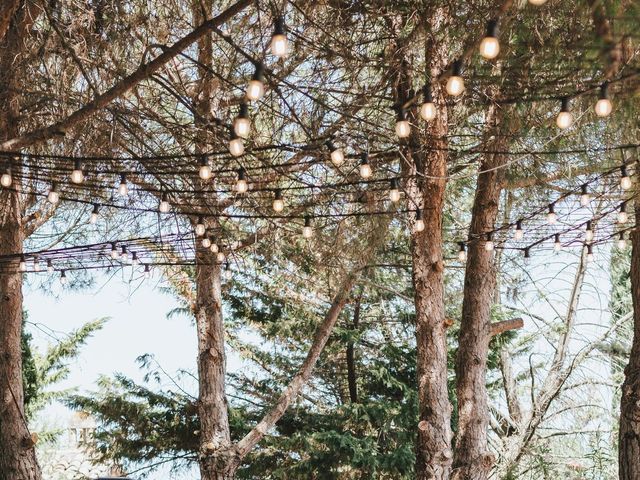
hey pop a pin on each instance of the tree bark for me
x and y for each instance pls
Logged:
(629, 434)
(472, 460)
(352, 378)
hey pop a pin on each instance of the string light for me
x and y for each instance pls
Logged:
(241, 184)
(527, 255)
(307, 230)
(488, 244)
(625, 180)
(622, 214)
(403, 128)
(49, 266)
(53, 197)
(63, 277)
(418, 225)
(147, 271)
(552, 218)
(36, 264)
(93, 218)
(123, 189)
(200, 228)
(489, 46)
(236, 146)
(428, 109)
(622, 243)
(589, 253)
(23, 264)
(214, 246)
(114, 252)
(585, 198)
(462, 252)
(278, 201)
(603, 106)
(164, 203)
(519, 234)
(77, 176)
(365, 168)
(124, 255)
(221, 257)
(394, 191)
(588, 234)
(564, 118)
(537, 3)
(6, 179)
(205, 169)
(134, 259)
(227, 271)
(455, 83)
(337, 156)
(279, 42)
(255, 88)
(557, 245)
(206, 242)
(241, 124)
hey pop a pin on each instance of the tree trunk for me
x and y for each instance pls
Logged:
(17, 453)
(472, 461)
(352, 377)
(215, 439)
(629, 435)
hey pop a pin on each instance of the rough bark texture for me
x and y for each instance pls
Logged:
(17, 454)
(352, 377)
(629, 435)
(472, 459)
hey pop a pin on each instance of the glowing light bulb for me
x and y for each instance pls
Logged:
(23, 264)
(123, 189)
(585, 198)
(134, 259)
(53, 196)
(147, 271)
(337, 156)
(537, 3)
(6, 180)
(564, 119)
(589, 253)
(200, 228)
(279, 42)
(255, 88)
(278, 202)
(114, 252)
(552, 218)
(603, 106)
(403, 128)
(206, 242)
(455, 83)
(394, 191)
(236, 147)
(418, 225)
(49, 266)
(164, 204)
(93, 218)
(488, 245)
(489, 46)
(622, 214)
(462, 252)
(625, 180)
(307, 230)
(124, 255)
(622, 243)
(588, 234)
(227, 272)
(527, 255)
(428, 109)
(204, 172)
(241, 124)
(214, 247)
(519, 234)
(241, 185)
(221, 257)
(365, 168)
(77, 176)
(36, 264)
(557, 245)
(63, 277)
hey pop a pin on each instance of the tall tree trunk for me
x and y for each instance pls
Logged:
(629, 436)
(352, 377)
(472, 461)
(17, 453)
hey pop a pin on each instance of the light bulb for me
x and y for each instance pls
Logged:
(585, 198)
(36, 264)
(588, 234)
(200, 228)
(365, 168)
(236, 147)
(147, 271)
(589, 253)
(455, 83)
(124, 255)
(428, 111)
(527, 255)
(603, 106)
(164, 204)
(5, 179)
(622, 243)
(622, 217)
(214, 247)
(123, 189)
(23, 264)
(564, 118)
(134, 259)
(220, 257)
(255, 88)
(241, 185)
(394, 192)
(488, 245)
(227, 271)
(205, 169)
(557, 245)
(489, 46)
(94, 215)
(53, 196)
(519, 234)
(307, 230)
(63, 277)
(552, 218)
(337, 156)
(462, 252)
(241, 124)
(418, 225)
(114, 252)
(77, 176)
(625, 180)
(279, 43)
(403, 128)
(49, 266)
(278, 202)
(537, 3)
(206, 242)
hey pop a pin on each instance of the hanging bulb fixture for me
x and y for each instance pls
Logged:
(307, 230)
(557, 245)
(206, 242)
(36, 264)
(205, 169)
(428, 109)
(227, 271)
(403, 127)
(63, 277)
(588, 234)
(164, 203)
(365, 167)
(552, 218)
(622, 214)
(214, 246)
(585, 198)
(241, 124)
(519, 235)
(114, 252)
(564, 118)
(394, 190)
(488, 244)
(53, 196)
(455, 83)
(200, 228)
(134, 259)
(6, 179)
(603, 106)
(77, 176)
(49, 266)
(241, 185)
(622, 243)
(236, 147)
(147, 271)
(93, 218)
(255, 88)
(124, 254)
(589, 253)
(23, 264)
(123, 189)
(220, 258)
(490, 46)
(418, 225)
(278, 201)
(279, 42)
(337, 156)
(625, 180)
(527, 255)
(537, 3)
(462, 252)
